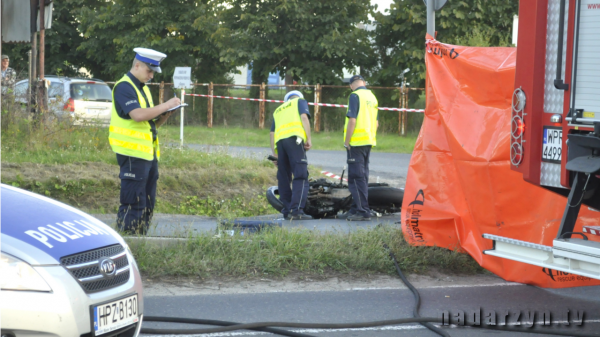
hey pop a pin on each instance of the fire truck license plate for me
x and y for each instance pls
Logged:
(552, 145)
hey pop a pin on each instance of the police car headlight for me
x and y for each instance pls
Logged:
(18, 275)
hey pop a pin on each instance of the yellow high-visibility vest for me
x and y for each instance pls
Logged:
(128, 137)
(365, 131)
(287, 121)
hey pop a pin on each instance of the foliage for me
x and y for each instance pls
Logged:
(233, 207)
(400, 35)
(313, 40)
(278, 252)
(61, 42)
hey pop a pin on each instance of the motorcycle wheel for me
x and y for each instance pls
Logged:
(273, 198)
(385, 196)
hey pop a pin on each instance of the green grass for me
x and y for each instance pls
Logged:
(234, 136)
(279, 252)
(75, 165)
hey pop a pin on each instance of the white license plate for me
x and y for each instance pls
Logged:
(552, 145)
(114, 315)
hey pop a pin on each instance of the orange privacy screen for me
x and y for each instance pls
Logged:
(460, 184)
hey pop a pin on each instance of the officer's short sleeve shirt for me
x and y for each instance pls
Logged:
(302, 109)
(354, 105)
(126, 99)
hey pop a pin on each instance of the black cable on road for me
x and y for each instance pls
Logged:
(207, 322)
(489, 327)
(256, 326)
(417, 297)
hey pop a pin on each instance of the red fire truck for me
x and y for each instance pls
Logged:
(556, 126)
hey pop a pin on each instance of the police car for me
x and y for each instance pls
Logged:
(64, 273)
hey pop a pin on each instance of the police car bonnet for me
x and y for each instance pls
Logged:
(151, 57)
(53, 227)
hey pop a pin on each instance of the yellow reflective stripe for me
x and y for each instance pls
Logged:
(289, 128)
(131, 146)
(130, 133)
(285, 126)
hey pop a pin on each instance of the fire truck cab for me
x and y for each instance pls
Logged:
(555, 133)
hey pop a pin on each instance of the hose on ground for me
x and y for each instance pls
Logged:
(489, 327)
(227, 326)
(417, 297)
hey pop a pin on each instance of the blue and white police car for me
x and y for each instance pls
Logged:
(64, 273)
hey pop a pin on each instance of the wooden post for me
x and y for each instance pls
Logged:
(43, 97)
(317, 111)
(404, 105)
(161, 92)
(400, 105)
(209, 114)
(194, 97)
(261, 107)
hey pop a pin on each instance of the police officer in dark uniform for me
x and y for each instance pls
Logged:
(360, 133)
(290, 139)
(132, 136)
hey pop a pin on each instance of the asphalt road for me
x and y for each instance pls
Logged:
(389, 167)
(362, 305)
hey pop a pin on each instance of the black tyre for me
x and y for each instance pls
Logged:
(386, 196)
(273, 198)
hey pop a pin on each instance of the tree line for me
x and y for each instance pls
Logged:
(310, 41)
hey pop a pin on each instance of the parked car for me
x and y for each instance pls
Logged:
(83, 100)
(63, 272)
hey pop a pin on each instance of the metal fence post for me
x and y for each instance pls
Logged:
(261, 108)
(209, 114)
(317, 126)
(161, 92)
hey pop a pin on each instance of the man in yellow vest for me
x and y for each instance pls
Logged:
(290, 139)
(359, 136)
(132, 136)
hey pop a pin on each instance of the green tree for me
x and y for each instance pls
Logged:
(400, 34)
(61, 42)
(111, 29)
(312, 40)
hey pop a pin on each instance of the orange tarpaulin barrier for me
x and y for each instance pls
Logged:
(460, 185)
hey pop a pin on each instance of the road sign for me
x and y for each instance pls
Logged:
(182, 78)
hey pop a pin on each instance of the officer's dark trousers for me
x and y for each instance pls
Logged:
(291, 161)
(358, 178)
(138, 193)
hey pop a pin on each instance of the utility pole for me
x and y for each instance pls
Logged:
(432, 7)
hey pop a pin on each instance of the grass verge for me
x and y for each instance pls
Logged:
(279, 252)
(233, 136)
(75, 165)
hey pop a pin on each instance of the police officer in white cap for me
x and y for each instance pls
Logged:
(290, 139)
(132, 136)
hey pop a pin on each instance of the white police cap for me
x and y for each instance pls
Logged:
(151, 57)
(292, 93)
